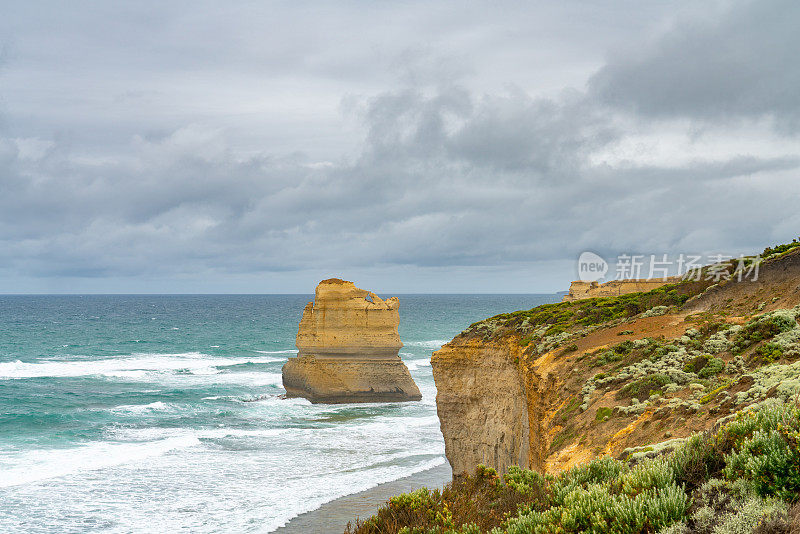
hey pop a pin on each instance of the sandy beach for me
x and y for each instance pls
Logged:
(332, 517)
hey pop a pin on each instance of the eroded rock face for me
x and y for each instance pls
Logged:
(348, 349)
(486, 407)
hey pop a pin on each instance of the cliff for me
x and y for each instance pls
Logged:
(579, 289)
(480, 386)
(561, 384)
(348, 347)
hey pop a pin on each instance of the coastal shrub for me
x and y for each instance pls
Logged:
(695, 365)
(705, 366)
(655, 311)
(636, 408)
(743, 478)
(770, 461)
(594, 509)
(789, 341)
(780, 381)
(724, 507)
(608, 356)
(623, 348)
(644, 386)
(606, 495)
(755, 515)
(695, 461)
(526, 482)
(468, 505)
(780, 249)
(713, 367)
(712, 394)
(769, 352)
(767, 450)
(764, 327)
(717, 343)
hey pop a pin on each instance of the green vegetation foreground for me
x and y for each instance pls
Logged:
(745, 477)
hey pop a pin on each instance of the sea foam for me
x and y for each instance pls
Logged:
(430, 344)
(36, 465)
(133, 366)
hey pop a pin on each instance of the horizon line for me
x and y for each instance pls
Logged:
(248, 294)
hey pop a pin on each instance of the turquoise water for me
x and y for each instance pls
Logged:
(163, 413)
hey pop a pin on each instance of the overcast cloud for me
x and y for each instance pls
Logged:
(260, 147)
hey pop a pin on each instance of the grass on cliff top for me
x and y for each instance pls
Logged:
(563, 316)
(780, 249)
(744, 478)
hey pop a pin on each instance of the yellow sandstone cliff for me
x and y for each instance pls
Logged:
(348, 349)
(483, 405)
(579, 289)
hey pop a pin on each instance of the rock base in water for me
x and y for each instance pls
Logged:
(339, 380)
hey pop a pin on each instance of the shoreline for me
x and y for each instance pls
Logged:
(334, 515)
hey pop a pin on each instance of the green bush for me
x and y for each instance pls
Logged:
(769, 352)
(763, 327)
(608, 356)
(779, 249)
(713, 367)
(623, 348)
(644, 386)
(603, 413)
(766, 451)
(705, 366)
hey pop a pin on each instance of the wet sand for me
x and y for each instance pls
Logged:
(332, 517)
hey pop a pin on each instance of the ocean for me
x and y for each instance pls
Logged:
(142, 413)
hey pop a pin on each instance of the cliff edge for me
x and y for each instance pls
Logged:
(348, 347)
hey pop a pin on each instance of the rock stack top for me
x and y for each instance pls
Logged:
(345, 320)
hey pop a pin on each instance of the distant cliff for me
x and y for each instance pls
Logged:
(348, 349)
(585, 290)
(560, 384)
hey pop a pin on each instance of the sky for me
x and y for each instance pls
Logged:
(412, 147)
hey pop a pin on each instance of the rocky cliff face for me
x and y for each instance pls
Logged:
(483, 405)
(558, 385)
(348, 349)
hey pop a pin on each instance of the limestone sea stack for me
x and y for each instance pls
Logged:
(348, 349)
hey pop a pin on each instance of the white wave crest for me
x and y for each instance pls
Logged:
(134, 366)
(35, 465)
(157, 406)
(414, 365)
(430, 344)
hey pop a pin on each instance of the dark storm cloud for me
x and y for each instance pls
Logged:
(189, 170)
(742, 62)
